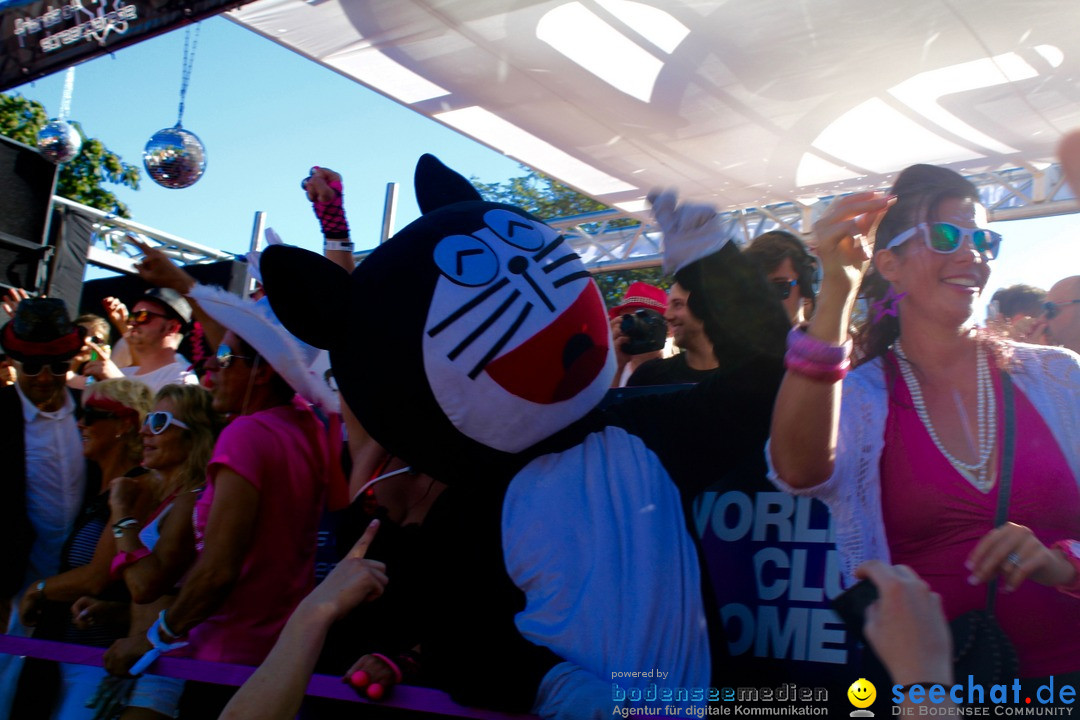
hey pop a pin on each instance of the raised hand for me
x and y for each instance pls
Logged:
(844, 236)
(117, 313)
(691, 230)
(352, 581)
(158, 270)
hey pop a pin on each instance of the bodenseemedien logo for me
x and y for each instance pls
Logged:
(862, 694)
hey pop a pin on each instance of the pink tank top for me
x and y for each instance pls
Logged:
(934, 518)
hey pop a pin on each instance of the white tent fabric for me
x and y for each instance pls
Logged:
(745, 103)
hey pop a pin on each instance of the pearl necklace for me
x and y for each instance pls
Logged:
(977, 473)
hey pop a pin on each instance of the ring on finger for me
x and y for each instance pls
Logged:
(1013, 559)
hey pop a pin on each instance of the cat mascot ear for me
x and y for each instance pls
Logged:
(438, 186)
(308, 293)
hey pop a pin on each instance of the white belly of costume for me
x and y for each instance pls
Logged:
(596, 538)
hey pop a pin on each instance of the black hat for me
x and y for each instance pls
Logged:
(173, 302)
(41, 328)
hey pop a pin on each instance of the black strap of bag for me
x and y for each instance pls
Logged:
(1008, 446)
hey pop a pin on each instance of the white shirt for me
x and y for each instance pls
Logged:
(55, 481)
(175, 373)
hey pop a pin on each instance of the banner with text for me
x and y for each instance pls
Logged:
(40, 37)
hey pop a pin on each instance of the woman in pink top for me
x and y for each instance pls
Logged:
(907, 449)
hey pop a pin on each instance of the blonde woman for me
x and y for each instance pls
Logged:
(113, 413)
(152, 555)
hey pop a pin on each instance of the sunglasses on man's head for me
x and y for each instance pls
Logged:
(33, 368)
(1052, 309)
(945, 238)
(158, 422)
(225, 356)
(141, 317)
(782, 287)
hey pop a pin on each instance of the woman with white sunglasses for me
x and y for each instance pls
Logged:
(908, 449)
(178, 438)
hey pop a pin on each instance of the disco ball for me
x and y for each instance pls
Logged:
(59, 141)
(175, 158)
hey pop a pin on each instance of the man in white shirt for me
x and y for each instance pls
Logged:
(44, 479)
(156, 328)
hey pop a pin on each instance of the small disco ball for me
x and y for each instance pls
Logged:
(59, 141)
(175, 158)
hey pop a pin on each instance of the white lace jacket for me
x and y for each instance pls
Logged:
(1048, 377)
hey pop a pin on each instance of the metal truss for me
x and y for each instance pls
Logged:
(1012, 194)
(604, 246)
(110, 240)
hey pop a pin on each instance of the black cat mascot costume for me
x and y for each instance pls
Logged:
(475, 345)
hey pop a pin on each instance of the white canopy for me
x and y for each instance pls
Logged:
(747, 103)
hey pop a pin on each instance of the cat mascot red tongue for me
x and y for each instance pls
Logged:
(475, 345)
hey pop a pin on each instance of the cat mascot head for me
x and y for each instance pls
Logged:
(471, 335)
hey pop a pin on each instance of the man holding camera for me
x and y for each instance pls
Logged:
(638, 329)
(695, 360)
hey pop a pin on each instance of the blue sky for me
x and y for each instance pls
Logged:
(266, 115)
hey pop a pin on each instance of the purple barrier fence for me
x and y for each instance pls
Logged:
(404, 697)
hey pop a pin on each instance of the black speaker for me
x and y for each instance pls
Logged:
(27, 182)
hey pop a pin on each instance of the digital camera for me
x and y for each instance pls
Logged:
(646, 330)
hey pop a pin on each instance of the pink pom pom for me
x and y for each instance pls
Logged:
(359, 679)
(375, 691)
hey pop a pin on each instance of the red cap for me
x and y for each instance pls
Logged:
(641, 295)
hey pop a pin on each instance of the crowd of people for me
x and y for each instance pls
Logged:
(151, 509)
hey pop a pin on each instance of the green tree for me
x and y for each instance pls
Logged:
(540, 195)
(549, 199)
(82, 178)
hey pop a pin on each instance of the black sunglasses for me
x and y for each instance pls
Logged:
(33, 368)
(1053, 309)
(782, 287)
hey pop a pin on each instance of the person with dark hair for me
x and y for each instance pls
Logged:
(908, 451)
(696, 359)
(1016, 312)
(790, 269)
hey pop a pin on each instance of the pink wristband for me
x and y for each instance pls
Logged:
(806, 346)
(1071, 550)
(819, 372)
(123, 559)
(392, 664)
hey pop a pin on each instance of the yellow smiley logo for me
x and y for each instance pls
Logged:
(862, 693)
